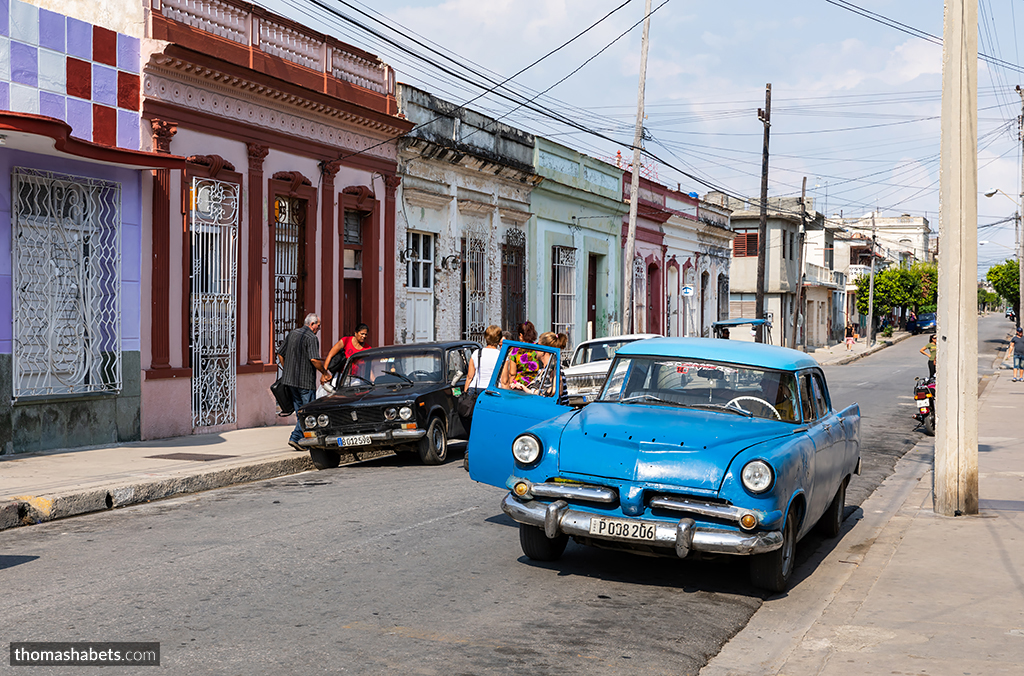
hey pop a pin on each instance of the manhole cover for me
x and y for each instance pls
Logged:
(198, 457)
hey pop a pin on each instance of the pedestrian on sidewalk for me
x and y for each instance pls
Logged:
(481, 368)
(345, 348)
(1017, 345)
(931, 350)
(849, 337)
(300, 358)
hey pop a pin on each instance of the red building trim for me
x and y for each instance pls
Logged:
(60, 132)
(254, 271)
(327, 238)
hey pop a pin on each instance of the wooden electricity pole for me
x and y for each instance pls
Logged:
(956, 405)
(762, 227)
(798, 303)
(634, 194)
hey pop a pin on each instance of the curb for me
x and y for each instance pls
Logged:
(27, 510)
(881, 345)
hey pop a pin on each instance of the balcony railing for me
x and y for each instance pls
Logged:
(258, 30)
(817, 275)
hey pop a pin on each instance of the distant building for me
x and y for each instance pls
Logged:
(814, 324)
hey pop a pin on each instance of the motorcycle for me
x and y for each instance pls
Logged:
(924, 399)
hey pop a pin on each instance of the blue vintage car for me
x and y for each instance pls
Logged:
(694, 446)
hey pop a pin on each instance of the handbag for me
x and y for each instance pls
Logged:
(282, 393)
(466, 403)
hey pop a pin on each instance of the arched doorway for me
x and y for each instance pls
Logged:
(705, 293)
(653, 323)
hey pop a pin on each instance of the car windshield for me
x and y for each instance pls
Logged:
(926, 317)
(605, 349)
(730, 388)
(392, 368)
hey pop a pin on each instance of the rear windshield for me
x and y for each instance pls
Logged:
(597, 351)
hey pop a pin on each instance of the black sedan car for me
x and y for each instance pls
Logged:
(401, 398)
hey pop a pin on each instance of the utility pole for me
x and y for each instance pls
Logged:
(798, 304)
(956, 398)
(634, 194)
(869, 339)
(762, 227)
(1020, 207)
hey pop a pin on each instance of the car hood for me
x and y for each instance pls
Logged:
(688, 448)
(382, 395)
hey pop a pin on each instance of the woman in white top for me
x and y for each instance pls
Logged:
(481, 367)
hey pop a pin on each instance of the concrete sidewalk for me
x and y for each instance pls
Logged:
(905, 591)
(835, 355)
(37, 487)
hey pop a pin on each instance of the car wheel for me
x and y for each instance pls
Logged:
(772, 571)
(538, 546)
(929, 424)
(324, 459)
(831, 522)
(434, 446)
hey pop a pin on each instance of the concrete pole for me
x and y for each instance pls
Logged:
(870, 337)
(956, 406)
(1020, 236)
(762, 227)
(634, 194)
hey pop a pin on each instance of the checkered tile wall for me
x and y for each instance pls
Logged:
(54, 65)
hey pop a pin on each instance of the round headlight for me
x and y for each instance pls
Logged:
(310, 422)
(757, 476)
(405, 413)
(526, 449)
(390, 413)
(323, 420)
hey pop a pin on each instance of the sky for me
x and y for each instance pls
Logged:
(855, 104)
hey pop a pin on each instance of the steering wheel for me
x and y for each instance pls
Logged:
(758, 400)
(415, 375)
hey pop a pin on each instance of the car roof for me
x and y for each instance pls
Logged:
(395, 349)
(725, 323)
(717, 349)
(628, 336)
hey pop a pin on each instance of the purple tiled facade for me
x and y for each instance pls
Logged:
(39, 78)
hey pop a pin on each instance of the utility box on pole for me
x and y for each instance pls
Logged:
(956, 391)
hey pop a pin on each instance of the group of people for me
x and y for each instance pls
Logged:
(300, 363)
(524, 369)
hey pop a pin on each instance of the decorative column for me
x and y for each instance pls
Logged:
(163, 132)
(328, 239)
(391, 184)
(257, 153)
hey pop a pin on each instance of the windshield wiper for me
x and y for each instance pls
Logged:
(723, 407)
(352, 375)
(646, 397)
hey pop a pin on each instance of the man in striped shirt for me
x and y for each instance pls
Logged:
(300, 357)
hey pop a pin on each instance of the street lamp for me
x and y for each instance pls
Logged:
(1019, 245)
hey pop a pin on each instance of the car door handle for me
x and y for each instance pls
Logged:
(492, 393)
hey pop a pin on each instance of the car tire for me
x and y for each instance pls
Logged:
(538, 546)
(929, 424)
(324, 459)
(831, 522)
(772, 571)
(434, 446)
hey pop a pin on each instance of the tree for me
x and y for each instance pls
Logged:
(1005, 279)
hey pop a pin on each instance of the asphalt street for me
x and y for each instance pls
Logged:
(393, 567)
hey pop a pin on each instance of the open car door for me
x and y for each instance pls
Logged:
(523, 391)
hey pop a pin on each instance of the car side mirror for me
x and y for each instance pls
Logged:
(576, 401)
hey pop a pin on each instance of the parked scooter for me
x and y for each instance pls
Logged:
(924, 399)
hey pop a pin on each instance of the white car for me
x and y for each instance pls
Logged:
(590, 363)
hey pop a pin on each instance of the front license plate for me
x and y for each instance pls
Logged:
(354, 440)
(621, 528)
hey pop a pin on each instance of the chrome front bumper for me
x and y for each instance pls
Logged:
(684, 536)
(376, 438)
